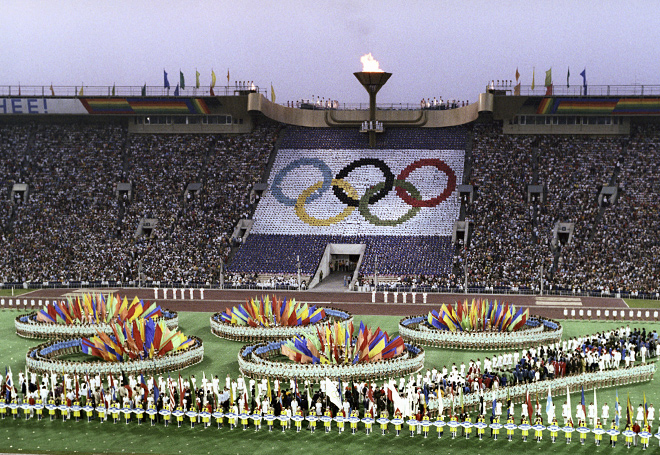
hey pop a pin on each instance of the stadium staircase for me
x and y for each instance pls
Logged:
(126, 168)
(23, 177)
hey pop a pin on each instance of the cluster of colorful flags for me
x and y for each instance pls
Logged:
(548, 81)
(182, 82)
(617, 407)
(95, 309)
(139, 339)
(478, 316)
(267, 312)
(335, 344)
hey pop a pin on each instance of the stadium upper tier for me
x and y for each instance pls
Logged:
(72, 227)
(326, 186)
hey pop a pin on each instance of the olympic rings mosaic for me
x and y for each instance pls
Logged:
(347, 194)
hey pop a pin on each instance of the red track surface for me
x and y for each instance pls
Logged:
(354, 302)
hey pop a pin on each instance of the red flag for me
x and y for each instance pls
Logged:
(530, 409)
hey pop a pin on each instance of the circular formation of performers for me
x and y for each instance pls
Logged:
(250, 334)
(45, 358)
(536, 331)
(27, 326)
(254, 362)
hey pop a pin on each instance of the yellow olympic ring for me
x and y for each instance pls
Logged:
(302, 200)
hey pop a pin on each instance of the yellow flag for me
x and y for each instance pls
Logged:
(80, 93)
(212, 78)
(533, 77)
(272, 93)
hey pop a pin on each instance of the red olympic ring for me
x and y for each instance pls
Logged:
(439, 165)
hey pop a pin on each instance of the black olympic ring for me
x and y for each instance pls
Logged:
(387, 173)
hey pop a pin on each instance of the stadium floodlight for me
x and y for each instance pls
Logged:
(372, 79)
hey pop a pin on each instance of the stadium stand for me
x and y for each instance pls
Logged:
(418, 244)
(72, 228)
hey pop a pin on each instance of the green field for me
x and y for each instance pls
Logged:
(642, 303)
(14, 292)
(220, 358)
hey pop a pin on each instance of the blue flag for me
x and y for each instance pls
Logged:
(176, 90)
(166, 83)
(584, 80)
(584, 406)
(156, 393)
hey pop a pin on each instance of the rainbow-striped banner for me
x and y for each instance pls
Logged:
(145, 105)
(140, 339)
(334, 344)
(267, 312)
(480, 315)
(599, 106)
(96, 309)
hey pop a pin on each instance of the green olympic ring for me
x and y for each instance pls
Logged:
(366, 213)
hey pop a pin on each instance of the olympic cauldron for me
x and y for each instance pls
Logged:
(372, 79)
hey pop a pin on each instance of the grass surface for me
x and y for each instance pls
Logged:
(15, 292)
(220, 358)
(642, 303)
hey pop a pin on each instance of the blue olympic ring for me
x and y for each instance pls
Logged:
(317, 163)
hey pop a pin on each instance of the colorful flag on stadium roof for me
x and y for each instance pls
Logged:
(144, 89)
(272, 93)
(176, 90)
(182, 80)
(52, 92)
(196, 79)
(517, 75)
(227, 76)
(166, 83)
(533, 78)
(113, 89)
(80, 93)
(584, 80)
(568, 77)
(548, 82)
(212, 82)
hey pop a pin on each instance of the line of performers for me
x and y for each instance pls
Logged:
(235, 418)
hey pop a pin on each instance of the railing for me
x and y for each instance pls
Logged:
(578, 90)
(477, 290)
(380, 106)
(122, 91)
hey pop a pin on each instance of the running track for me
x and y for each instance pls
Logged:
(354, 302)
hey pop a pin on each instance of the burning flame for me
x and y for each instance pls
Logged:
(370, 64)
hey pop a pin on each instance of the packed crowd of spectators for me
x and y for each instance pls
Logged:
(63, 228)
(622, 257)
(501, 252)
(72, 228)
(513, 237)
(13, 143)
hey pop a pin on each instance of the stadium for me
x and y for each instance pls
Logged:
(539, 197)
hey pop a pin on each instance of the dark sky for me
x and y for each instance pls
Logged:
(305, 48)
